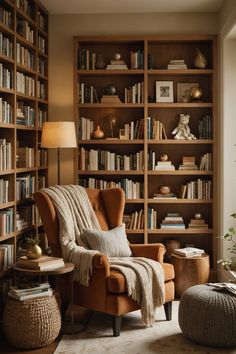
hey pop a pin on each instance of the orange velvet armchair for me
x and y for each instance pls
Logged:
(107, 290)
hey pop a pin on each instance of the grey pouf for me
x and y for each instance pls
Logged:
(207, 316)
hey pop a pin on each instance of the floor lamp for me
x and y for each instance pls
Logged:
(58, 135)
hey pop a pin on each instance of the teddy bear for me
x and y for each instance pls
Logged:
(183, 130)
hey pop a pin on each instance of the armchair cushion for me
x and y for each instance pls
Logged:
(111, 243)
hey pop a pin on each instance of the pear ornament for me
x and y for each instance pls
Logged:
(200, 61)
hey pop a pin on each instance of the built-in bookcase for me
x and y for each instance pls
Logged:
(145, 114)
(23, 109)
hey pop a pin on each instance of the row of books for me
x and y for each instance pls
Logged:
(6, 256)
(25, 84)
(24, 56)
(6, 17)
(206, 162)
(135, 93)
(132, 189)
(205, 128)
(5, 112)
(134, 221)
(6, 46)
(25, 186)
(41, 90)
(25, 6)
(134, 130)
(42, 157)
(4, 190)
(105, 160)
(41, 65)
(42, 117)
(26, 215)
(6, 77)
(6, 221)
(25, 30)
(5, 155)
(25, 157)
(155, 129)
(42, 44)
(42, 21)
(88, 60)
(152, 219)
(25, 115)
(200, 189)
(87, 93)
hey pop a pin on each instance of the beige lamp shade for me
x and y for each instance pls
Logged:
(58, 135)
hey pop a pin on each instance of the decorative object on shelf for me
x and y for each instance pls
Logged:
(164, 189)
(230, 236)
(182, 131)
(164, 91)
(117, 56)
(171, 245)
(110, 90)
(164, 157)
(33, 250)
(198, 216)
(100, 63)
(98, 133)
(111, 119)
(200, 61)
(183, 91)
(195, 93)
(58, 135)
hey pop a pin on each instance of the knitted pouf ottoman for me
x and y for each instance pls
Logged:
(32, 323)
(208, 316)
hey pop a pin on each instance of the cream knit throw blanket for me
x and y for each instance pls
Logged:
(75, 214)
(144, 277)
(145, 283)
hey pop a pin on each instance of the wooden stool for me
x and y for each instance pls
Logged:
(189, 271)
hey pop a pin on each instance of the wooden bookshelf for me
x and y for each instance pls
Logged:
(23, 56)
(154, 54)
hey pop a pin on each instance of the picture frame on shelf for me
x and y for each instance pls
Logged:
(164, 91)
(183, 91)
(122, 135)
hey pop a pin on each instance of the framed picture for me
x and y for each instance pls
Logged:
(122, 135)
(183, 91)
(164, 91)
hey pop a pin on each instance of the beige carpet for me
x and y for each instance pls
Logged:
(164, 338)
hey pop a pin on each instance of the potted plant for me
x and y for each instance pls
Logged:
(230, 236)
(33, 249)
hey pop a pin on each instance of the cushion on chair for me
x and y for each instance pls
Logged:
(111, 243)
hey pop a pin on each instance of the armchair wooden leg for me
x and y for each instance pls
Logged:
(116, 324)
(168, 310)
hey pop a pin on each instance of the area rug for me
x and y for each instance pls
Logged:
(163, 338)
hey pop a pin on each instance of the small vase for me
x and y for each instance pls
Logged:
(98, 133)
(200, 61)
(33, 252)
(100, 63)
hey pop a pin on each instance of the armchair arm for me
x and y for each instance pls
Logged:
(101, 262)
(153, 251)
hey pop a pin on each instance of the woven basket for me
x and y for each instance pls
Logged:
(33, 323)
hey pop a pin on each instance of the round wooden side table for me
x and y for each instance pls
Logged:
(190, 271)
(67, 327)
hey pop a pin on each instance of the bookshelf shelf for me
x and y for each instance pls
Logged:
(21, 107)
(155, 54)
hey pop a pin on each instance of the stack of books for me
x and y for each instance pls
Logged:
(188, 252)
(164, 196)
(177, 64)
(173, 221)
(116, 64)
(164, 165)
(42, 263)
(189, 163)
(30, 291)
(197, 224)
(110, 99)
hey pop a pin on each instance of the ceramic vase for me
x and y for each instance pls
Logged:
(98, 133)
(33, 252)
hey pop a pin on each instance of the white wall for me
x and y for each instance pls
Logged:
(227, 29)
(61, 32)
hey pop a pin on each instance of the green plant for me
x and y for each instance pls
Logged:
(230, 236)
(32, 241)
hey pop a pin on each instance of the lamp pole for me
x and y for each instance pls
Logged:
(58, 166)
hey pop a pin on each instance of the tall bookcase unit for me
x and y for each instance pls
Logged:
(99, 160)
(23, 108)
